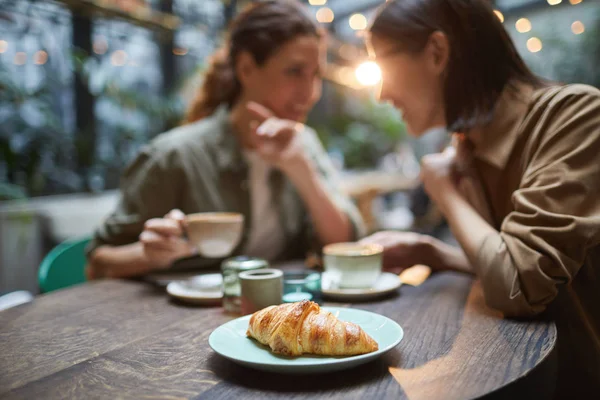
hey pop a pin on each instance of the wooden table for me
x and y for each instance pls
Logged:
(120, 339)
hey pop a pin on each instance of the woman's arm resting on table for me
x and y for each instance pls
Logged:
(405, 249)
(117, 262)
(521, 266)
(545, 240)
(334, 215)
(331, 224)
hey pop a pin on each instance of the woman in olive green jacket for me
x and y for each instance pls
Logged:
(243, 149)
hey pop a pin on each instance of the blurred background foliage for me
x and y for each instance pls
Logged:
(40, 148)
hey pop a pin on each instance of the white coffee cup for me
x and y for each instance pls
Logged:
(353, 265)
(214, 234)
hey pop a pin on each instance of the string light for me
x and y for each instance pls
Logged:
(40, 57)
(577, 27)
(3, 46)
(523, 25)
(554, 2)
(574, 2)
(317, 2)
(534, 45)
(358, 22)
(325, 15)
(118, 58)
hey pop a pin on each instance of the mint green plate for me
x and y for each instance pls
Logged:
(230, 341)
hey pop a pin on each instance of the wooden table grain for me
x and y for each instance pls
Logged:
(122, 339)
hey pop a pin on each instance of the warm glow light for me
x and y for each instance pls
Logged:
(3, 46)
(358, 22)
(118, 58)
(317, 2)
(325, 15)
(20, 58)
(523, 25)
(499, 15)
(575, 1)
(577, 27)
(368, 73)
(40, 57)
(534, 45)
(554, 2)
(100, 45)
(180, 51)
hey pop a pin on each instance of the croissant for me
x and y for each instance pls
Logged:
(304, 328)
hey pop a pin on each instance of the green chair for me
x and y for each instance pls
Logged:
(64, 266)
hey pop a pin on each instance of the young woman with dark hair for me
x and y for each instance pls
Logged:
(520, 187)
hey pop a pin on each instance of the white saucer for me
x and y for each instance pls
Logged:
(162, 279)
(201, 289)
(386, 283)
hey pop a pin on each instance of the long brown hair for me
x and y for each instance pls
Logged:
(261, 29)
(483, 58)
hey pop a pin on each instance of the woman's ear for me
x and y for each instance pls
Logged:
(245, 68)
(438, 52)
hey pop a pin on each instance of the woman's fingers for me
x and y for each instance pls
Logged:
(157, 241)
(269, 128)
(164, 227)
(175, 214)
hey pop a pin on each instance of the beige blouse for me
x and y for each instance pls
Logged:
(536, 179)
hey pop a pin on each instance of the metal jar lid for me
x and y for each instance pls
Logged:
(244, 263)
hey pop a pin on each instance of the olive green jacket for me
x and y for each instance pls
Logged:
(200, 168)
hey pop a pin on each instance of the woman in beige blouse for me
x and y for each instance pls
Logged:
(520, 188)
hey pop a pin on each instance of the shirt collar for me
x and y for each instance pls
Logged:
(495, 142)
(227, 147)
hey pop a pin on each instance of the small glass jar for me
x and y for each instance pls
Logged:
(301, 285)
(232, 289)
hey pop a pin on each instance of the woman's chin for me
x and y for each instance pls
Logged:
(414, 130)
(418, 130)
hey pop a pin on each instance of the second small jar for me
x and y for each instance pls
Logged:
(260, 289)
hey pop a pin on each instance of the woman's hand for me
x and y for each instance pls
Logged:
(401, 250)
(163, 240)
(278, 140)
(439, 175)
